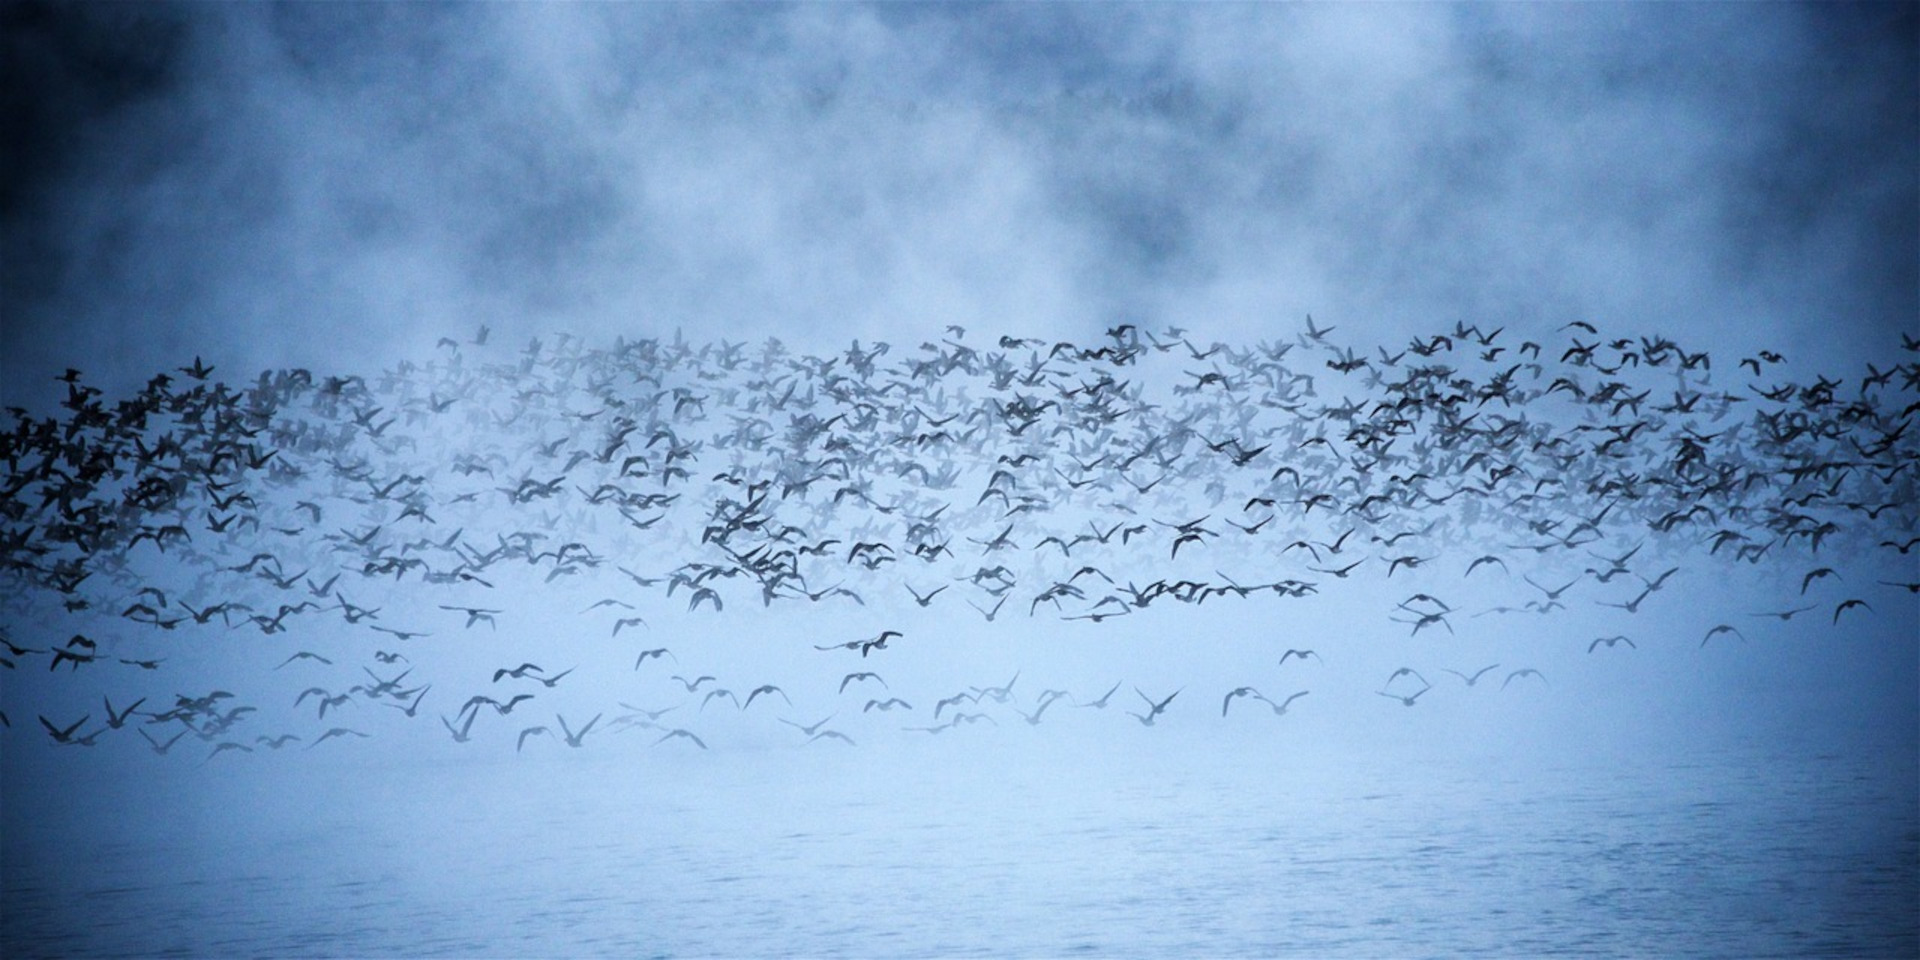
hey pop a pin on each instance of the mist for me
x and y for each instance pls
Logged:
(269, 184)
(1220, 442)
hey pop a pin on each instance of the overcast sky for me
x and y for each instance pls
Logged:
(321, 185)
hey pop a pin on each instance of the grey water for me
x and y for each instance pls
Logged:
(1163, 842)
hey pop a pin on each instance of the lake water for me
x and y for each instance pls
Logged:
(1163, 844)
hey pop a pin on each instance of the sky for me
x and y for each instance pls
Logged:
(313, 185)
(344, 188)
(338, 187)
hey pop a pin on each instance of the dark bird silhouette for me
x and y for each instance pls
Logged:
(851, 677)
(1154, 709)
(336, 732)
(1475, 677)
(765, 688)
(1846, 605)
(687, 734)
(1100, 704)
(811, 729)
(1523, 672)
(63, 734)
(549, 682)
(516, 672)
(572, 738)
(158, 747)
(116, 720)
(1720, 629)
(462, 733)
(1227, 701)
(1406, 698)
(654, 653)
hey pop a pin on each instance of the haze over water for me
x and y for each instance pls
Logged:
(1090, 541)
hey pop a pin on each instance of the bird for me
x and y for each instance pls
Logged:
(1033, 719)
(927, 598)
(1407, 672)
(1100, 704)
(572, 738)
(1227, 701)
(1524, 672)
(1475, 676)
(116, 720)
(677, 732)
(1846, 605)
(225, 746)
(336, 732)
(63, 734)
(516, 672)
(1611, 642)
(549, 682)
(863, 675)
(462, 733)
(811, 729)
(162, 748)
(1720, 629)
(954, 701)
(411, 709)
(1155, 709)
(1813, 575)
(1406, 698)
(654, 653)
(1441, 452)
(524, 734)
(476, 615)
(765, 688)
(1280, 709)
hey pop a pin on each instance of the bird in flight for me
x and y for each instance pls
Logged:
(1475, 677)
(1100, 704)
(686, 734)
(1720, 629)
(574, 739)
(1406, 698)
(1523, 672)
(1154, 709)
(1227, 701)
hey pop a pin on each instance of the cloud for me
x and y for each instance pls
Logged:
(320, 185)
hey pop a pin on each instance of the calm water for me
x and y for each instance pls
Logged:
(1159, 845)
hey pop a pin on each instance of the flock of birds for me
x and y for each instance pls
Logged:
(338, 532)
